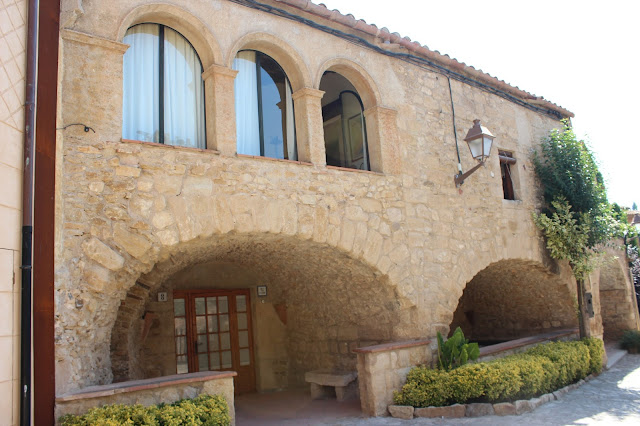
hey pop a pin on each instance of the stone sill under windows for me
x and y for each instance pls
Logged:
(278, 160)
(178, 147)
(347, 169)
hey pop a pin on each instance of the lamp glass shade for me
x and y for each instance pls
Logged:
(487, 142)
(475, 146)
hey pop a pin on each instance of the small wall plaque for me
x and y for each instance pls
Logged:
(262, 291)
(162, 296)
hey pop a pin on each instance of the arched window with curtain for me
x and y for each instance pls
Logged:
(163, 92)
(264, 107)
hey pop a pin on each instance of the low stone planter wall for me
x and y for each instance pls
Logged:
(482, 409)
(516, 346)
(165, 389)
(383, 369)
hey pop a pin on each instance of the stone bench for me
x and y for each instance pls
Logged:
(344, 383)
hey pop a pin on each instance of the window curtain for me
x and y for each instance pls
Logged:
(183, 93)
(246, 97)
(140, 90)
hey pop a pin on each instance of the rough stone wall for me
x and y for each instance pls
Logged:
(13, 32)
(617, 298)
(513, 299)
(405, 241)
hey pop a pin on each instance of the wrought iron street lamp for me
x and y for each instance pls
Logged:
(480, 140)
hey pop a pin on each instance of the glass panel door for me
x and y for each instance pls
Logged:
(218, 325)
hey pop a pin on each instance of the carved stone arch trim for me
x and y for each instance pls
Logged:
(286, 56)
(357, 75)
(180, 20)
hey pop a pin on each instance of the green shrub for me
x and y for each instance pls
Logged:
(596, 352)
(206, 410)
(425, 387)
(540, 370)
(456, 350)
(631, 341)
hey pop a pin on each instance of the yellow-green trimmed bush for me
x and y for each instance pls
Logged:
(205, 410)
(539, 370)
(596, 352)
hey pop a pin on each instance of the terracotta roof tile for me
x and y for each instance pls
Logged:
(416, 48)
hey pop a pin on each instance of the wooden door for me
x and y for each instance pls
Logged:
(213, 333)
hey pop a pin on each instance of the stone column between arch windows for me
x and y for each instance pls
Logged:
(309, 131)
(220, 109)
(382, 139)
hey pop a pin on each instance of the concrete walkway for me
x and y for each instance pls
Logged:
(611, 398)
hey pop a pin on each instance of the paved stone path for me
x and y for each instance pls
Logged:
(611, 398)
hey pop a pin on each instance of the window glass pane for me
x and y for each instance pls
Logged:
(203, 362)
(246, 94)
(226, 359)
(180, 326)
(213, 342)
(183, 93)
(243, 339)
(223, 304)
(141, 73)
(200, 306)
(178, 307)
(224, 341)
(214, 360)
(202, 343)
(245, 357)
(353, 131)
(201, 325)
(212, 307)
(262, 86)
(181, 345)
(181, 364)
(224, 322)
(213, 323)
(241, 303)
(242, 321)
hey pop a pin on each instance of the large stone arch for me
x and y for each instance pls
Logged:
(327, 302)
(357, 75)
(180, 20)
(618, 305)
(514, 298)
(283, 53)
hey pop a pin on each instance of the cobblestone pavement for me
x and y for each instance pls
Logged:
(611, 398)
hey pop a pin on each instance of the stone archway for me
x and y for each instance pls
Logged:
(617, 299)
(511, 299)
(321, 304)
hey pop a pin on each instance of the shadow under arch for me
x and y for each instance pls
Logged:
(285, 55)
(357, 76)
(321, 304)
(181, 20)
(618, 304)
(511, 299)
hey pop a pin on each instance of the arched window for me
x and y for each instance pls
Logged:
(264, 108)
(345, 136)
(163, 96)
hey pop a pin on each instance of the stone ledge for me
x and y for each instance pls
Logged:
(392, 346)
(165, 146)
(526, 341)
(145, 384)
(484, 409)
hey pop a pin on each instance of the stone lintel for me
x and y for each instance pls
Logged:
(144, 384)
(385, 347)
(219, 70)
(92, 40)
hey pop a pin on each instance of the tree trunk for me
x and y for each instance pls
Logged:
(583, 318)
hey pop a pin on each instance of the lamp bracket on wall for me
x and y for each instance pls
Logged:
(460, 177)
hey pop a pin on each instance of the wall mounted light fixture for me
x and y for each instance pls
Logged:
(480, 140)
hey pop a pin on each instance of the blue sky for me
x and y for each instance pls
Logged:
(583, 55)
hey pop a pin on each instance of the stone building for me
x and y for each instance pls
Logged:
(266, 186)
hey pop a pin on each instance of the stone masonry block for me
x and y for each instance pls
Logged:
(404, 412)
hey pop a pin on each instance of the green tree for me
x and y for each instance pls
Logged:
(577, 217)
